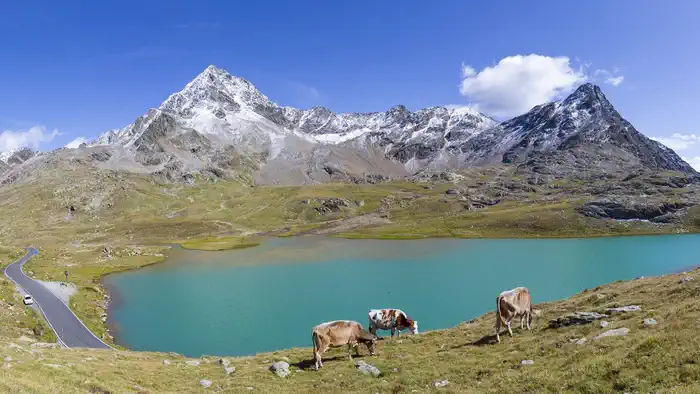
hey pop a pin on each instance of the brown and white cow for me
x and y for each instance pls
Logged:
(391, 319)
(338, 333)
(511, 304)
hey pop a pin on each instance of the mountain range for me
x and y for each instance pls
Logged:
(221, 126)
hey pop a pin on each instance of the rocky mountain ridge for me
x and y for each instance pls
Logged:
(220, 125)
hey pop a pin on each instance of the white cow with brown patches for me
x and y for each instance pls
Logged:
(391, 319)
(338, 333)
(511, 304)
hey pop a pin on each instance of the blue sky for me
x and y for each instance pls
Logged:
(76, 69)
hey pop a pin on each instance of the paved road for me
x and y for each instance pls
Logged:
(68, 328)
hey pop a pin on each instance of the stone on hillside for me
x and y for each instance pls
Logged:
(581, 341)
(685, 279)
(55, 366)
(13, 346)
(628, 308)
(206, 383)
(452, 191)
(367, 369)
(331, 205)
(604, 324)
(618, 332)
(166, 362)
(441, 383)
(649, 322)
(229, 370)
(8, 358)
(192, 363)
(527, 362)
(280, 368)
(575, 319)
(224, 361)
(24, 338)
(139, 388)
(44, 345)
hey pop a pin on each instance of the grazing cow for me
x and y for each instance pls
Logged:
(338, 333)
(391, 319)
(511, 304)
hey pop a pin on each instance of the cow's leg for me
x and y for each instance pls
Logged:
(522, 323)
(508, 326)
(318, 362)
(498, 328)
(529, 320)
(349, 351)
(357, 349)
(392, 332)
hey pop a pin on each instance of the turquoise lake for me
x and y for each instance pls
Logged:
(267, 298)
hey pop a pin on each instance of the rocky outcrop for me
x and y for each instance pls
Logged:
(576, 318)
(332, 205)
(627, 209)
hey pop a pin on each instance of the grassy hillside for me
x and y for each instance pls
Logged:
(660, 358)
(122, 221)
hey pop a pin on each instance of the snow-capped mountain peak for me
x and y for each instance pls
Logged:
(217, 111)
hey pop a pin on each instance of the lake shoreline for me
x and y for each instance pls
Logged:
(115, 329)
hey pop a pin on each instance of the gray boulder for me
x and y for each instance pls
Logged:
(649, 322)
(280, 368)
(622, 309)
(441, 383)
(206, 383)
(367, 369)
(618, 332)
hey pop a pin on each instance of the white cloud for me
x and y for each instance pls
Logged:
(679, 142)
(31, 138)
(518, 83)
(76, 142)
(609, 77)
(693, 161)
(615, 81)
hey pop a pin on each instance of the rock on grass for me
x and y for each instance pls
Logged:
(206, 383)
(441, 383)
(628, 308)
(618, 332)
(280, 368)
(649, 322)
(367, 369)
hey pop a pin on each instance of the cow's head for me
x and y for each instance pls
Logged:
(413, 326)
(370, 340)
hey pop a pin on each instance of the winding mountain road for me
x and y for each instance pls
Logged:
(70, 331)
